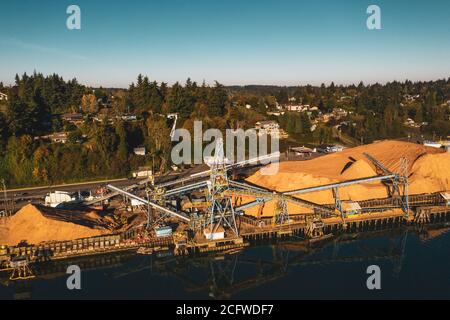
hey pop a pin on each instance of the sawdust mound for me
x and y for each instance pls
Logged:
(358, 169)
(429, 171)
(94, 215)
(34, 226)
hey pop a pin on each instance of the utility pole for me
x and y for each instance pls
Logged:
(5, 197)
(149, 209)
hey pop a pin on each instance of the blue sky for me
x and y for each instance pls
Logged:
(285, 42)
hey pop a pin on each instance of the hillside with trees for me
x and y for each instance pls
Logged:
(113, 122)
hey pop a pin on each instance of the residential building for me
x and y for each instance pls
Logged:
(128, 117)
(275, 113)
(302, 151)
(140, 151)
(143, 172)
(268, 127)
(57, 137)
(339, 113)
(297, 108)
(74, 118)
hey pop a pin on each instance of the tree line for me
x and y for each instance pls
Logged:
(105, 149)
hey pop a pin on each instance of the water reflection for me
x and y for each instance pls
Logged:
(264, 270)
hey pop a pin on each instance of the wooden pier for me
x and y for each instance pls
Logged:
(424, 211)
(356, 223)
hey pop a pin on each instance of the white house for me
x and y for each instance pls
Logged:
(268, 127)
(58, 137)
(275, 113)
(140, 151)
(143, 172)
(297, 108)
(3, 96)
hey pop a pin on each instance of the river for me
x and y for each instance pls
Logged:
(413, 265)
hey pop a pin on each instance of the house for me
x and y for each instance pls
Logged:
(411, 123)
(104, 115)
(268, 127)
(302, 151)
(411, 98)
(128, 117)
(343, 98)
(74, 118)
(325, 117)
(275, 113)
(143, 172)
(297, 108)
(58, 137)
(3, 97)
(140, 151)
(282, 134)
(339, 113)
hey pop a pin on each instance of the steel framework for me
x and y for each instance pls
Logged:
(221, 211)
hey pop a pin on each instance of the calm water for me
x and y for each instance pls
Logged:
(413, 265)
